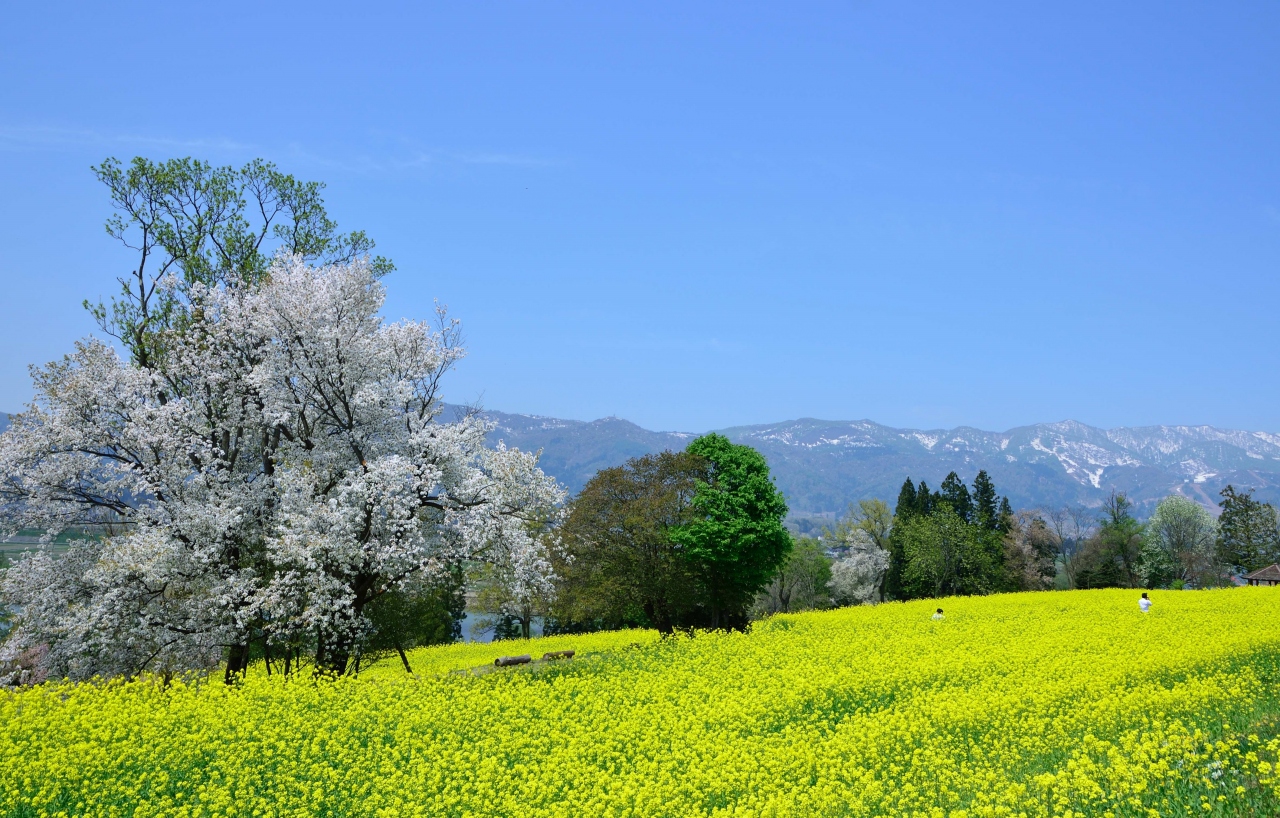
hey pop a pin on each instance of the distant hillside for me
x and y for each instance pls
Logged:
(574, 450)
(822, 466)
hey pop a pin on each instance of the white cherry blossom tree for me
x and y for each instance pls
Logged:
(856, 577)
(278, 464)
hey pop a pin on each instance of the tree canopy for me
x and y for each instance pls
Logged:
(1179, 545)
(863, 539)
(1247, 532)
(957, 541)
(277, 470)
(192, 224)
(672, 540)
(735, 539)
(1112, 557)
(801, 583)
(617, 563)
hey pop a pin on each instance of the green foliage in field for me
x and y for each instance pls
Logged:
(672, 540)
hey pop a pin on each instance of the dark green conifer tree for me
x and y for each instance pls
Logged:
(924, 499)
(955, 494)
(985, 510)
(1005, 517)
(1247, 536)
(906, 507)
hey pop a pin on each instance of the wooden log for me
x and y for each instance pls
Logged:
(557, 654)
(507, 661)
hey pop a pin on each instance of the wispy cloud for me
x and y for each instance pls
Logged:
(392, 153)
(399, 154)
(404, 152)
(51, 138)
(513, 159)
(687, 344)
(359, 164)
(415, 159)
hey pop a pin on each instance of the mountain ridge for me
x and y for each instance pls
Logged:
(824, 465)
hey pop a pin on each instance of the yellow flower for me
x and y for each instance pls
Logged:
(1038, 705)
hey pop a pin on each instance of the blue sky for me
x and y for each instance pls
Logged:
(698, 215)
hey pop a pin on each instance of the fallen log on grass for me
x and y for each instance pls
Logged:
(557, 654)
(507, 661)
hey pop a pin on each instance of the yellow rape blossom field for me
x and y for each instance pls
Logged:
(1044, 704)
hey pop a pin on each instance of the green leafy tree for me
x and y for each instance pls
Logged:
(1247, 533)
(912, 502)
(1179, 545)
(925, 499)
(427, 612)
(904, 510)
(1122, 535)
(617, 563)
(508, 626)
(735, 540)
(1096, 567)
(945, 555)
(954, 542)
(1111, 557)
(872, 517)
(211, 226)
(1004, 518)
(800, 583)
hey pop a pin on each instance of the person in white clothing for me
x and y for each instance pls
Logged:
(937, 616)
(1145, 602)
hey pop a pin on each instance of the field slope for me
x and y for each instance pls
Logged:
(1024, 704)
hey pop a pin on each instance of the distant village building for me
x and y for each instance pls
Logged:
(1265, 576)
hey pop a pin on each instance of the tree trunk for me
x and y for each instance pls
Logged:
(320, 661)
(331, 659)
(403, 658)
(237, 663)
(659, 619)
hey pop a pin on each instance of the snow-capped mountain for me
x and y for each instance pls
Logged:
(823, 465)
(1036, 465)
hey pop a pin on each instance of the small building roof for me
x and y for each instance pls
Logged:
(1271, 572)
